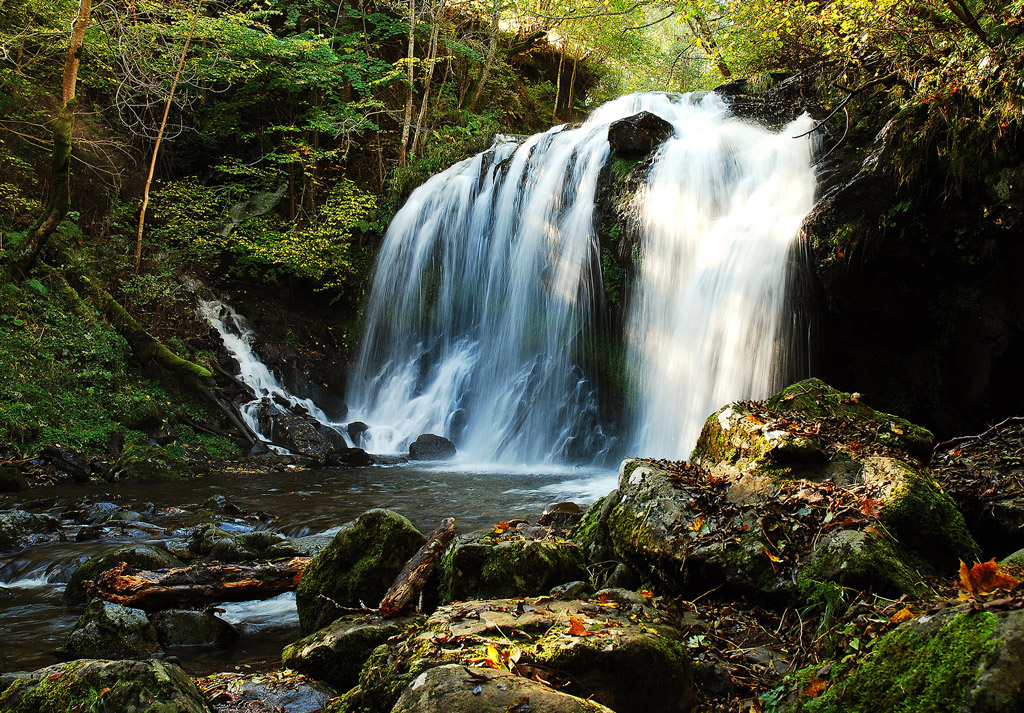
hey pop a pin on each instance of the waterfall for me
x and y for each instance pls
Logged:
(237, 338)
(488, 287)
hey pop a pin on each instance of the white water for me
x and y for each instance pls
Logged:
(238, 338)
(722, 208)
(488, 283)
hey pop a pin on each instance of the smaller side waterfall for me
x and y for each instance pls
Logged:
(238, 338)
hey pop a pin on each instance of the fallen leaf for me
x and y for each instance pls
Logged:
(697, 524)
(646, 593)
(870, 507)
(772, 557)
(576, 628)
(815, 688)
(493, 659)
(985, 578)
(501, 528)
(904, 614)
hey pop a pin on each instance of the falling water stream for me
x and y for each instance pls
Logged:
(488, 287)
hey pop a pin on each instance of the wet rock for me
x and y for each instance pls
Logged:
(482, 568)
(125, 685)
(137, 555)
(429, 446)
(299, 434)
(561, 516)
(629, 666)
(350, 457)
(20, 529)
(952, 660)
(336, 653)
(178, 627)
(272, 692)
(70, 461)
(637, 136)
(460, 689)
(356, 429)
(108, 630)
(359, 565)
(90, 513)
(572, 590)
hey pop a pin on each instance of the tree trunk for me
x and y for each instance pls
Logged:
(60, 165)
(416, 573)
(558, 82)
(195, 587)
(702, 31)
(431, 58)
(410, 58)
(492, 47)
(160, 136)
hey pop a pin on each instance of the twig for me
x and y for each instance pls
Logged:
(963, 439)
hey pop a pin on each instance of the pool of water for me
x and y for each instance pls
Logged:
(33, 620)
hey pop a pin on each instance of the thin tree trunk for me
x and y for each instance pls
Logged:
(431, 57)
(572, 86)
(410, 57)
(558, 83)
(963, 14)
(492, 47)
(160, 136)
(60, 165)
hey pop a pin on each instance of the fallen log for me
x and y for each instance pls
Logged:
(197, 586)
(416, 573)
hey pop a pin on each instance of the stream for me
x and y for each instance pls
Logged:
(294, 503)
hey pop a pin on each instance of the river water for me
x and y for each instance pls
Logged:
(293, 503)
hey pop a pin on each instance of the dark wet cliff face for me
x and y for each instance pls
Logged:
(917, 258)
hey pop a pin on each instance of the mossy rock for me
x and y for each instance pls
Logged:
(359, 565)
(486, 568)
(11, 479)
(955, 661)
(144, 463)
(213, 543)
(178, 627)
(137, 556)
(109, 630)
(632, 664)
(91, 685)
(336, 653)
(461, 689)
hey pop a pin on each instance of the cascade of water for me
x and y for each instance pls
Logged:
(719, 217)
(238, 337)
(488, 283)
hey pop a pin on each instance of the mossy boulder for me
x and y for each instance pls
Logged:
(111, 631)
(462, 689)
(122, 686)
(138, 556)
(20, 529)
(483, 568)
(956, 661)
(179, 627)
(144, 462)
(630, 660)
(11, 479)
(359, 565)
(213, 543)
(336, 653)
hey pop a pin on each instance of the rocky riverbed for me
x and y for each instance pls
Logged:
(814, 554)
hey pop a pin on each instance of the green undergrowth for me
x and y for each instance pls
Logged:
(67, 377)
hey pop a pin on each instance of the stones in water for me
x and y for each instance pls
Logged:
(179, 627)
(113, 631)
(20, 529)
(358, 565)
(429, 446)
(105, 685)
(463, 689)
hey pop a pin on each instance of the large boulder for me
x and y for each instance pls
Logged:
(111, 631)
(299, 434)
(429, 446)
(359, 565)
(20, 529)
(462, 689)
(122, 686)
(955, 660)
(637, 136)
(138, 556)
(179, 627)
(336, 653)
(507, 566)
(629, 660)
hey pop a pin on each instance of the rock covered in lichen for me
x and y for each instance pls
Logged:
(624, 657)
(954, 660)
(95, 685)
(463, 689)
(507, 565)
(336, 653)
(20, 529)
(358, 566)
(112, 631)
